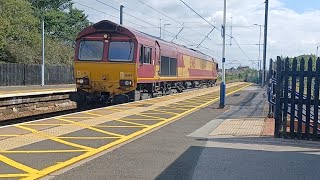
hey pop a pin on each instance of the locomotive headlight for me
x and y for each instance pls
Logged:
(83, 81)
(126, 83)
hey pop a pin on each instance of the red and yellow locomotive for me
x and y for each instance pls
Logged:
(112, 62)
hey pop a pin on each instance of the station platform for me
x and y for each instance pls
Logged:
(14, 91)
(180, 136)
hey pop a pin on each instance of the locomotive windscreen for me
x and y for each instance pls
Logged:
(90, 50)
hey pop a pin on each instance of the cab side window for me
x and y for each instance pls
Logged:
(145, 54)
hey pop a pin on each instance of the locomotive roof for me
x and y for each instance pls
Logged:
(109, 26)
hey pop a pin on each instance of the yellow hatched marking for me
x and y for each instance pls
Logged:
(9, 135)
(34, 124)
(91, 128)
(195, 102)
(166, 112)
(93, 138)
(152, 117)
(93, 114)
(13, 175)
(113, 109)
(136, 119)
(18, 165)
(71, 161)
(76, 117)
(118, 126)
(55, 138)
(133, 123)
(44, 151)
(169, 107)
(185, 105)
(153, 113)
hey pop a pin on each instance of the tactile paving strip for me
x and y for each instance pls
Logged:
(240, 127)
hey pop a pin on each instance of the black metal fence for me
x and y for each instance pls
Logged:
(294, 97)
(25, 74)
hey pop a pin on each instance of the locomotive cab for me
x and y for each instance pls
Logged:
(105, 64)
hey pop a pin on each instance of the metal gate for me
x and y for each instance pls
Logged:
(294, 97)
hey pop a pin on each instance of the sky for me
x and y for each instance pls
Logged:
(293, 26)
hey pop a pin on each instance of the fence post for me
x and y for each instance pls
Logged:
(308, 102)
(301, 92)
(270, 88)
(316, 100)
(293, 97)
(278, 118)
(285, 101)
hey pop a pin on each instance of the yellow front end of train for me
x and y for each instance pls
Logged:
(97, 77)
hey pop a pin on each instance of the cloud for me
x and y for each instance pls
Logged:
(290, 33)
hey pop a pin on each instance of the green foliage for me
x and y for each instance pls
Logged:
(62, 20)
(20, 30)
(245, 75)
(18, 27)
(306, 58)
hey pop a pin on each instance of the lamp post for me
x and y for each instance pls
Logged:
(223, 83)
(317, 50)
(43, 53)
(164, 28)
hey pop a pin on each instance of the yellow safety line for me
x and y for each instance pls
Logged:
(90, 127)
(133, 123)
(43, 151)
(152, 117)
(18, 165)
(61, 165)
(55, 138)
(13, 175)
(88, 137)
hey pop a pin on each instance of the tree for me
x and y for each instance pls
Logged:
(19, 28)
(62, 20)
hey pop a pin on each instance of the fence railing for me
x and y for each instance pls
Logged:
(294, 97)
(24, 74)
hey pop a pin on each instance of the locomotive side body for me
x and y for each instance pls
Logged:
(112, 62)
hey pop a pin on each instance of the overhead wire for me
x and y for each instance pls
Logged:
(199, 15)
(182, 24)
(109, 14)
(216, 28)
(242, 12)
(172, 34)
(168, 32)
